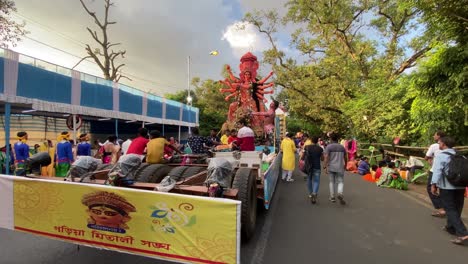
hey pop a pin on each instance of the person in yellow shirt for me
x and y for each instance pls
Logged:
(155, 148)
(224, 138)
(288, 147)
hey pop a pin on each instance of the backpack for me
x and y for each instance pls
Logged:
(457, 170)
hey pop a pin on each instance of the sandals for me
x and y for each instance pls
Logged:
(460, 241)
(438, 214)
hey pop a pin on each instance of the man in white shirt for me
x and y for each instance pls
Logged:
(125, 146)
(431, 153)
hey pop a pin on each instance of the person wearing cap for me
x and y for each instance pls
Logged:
(108, 210)
(63, 154)
(21, 153)
(83, 148)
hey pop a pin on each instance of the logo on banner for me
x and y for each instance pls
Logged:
(107, 211)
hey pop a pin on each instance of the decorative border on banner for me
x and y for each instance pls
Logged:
(120, 248)
(6, 202)
(127, 249)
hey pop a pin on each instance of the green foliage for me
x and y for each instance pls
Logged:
(10, 31)
(355, 54)
(213, 107)
(442, 93)
(207, 98)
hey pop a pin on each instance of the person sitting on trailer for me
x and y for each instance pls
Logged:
(138, 145)
(197, 143)
(155, 148)
(63, 155)
(110, 151)
(83, 148)
(21, 153)
(245, 137)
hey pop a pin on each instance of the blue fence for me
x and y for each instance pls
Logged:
(54, 84)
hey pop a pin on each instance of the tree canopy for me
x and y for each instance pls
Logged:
(356, 70)
(370, 69)
(10, 30)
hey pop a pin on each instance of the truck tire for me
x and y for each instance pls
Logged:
(244, 181)
(140, 169)
(146, 172)
(190, 171)
(177, 172)
(160, 173)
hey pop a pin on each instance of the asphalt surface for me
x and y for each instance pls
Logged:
(376, 226)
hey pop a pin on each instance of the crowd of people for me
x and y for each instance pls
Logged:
(152, 146)
(334, 158)
(316, 154)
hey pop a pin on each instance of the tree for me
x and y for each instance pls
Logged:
(441, 84)
(10, 31)
(207, 98)
(343, 74)
(104, 56)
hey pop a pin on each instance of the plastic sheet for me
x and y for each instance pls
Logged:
(127, 166)
(38, 160)
(220, 172)
(166, 184)
(82, 166)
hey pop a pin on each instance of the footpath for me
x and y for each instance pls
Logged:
(419, 192)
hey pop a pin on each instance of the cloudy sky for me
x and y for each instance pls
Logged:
(158, 36)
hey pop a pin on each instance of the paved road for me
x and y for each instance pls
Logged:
(377, 226)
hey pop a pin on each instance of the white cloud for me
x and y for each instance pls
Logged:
(244, 37)
(157, 35)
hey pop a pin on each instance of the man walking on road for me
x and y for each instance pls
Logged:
(452, 197)
(334, 165)
(313, 154)
(432, 152)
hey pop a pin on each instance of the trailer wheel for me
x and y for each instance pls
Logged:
(160, 173)
(244, 181)
(190, 171)
(140, 169)
(145, 173)
(177, 172)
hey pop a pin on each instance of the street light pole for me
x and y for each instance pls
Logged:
(189, 98)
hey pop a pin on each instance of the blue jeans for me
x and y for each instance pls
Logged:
(313, 181)
(336, 178)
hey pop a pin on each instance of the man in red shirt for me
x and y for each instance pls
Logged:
(245, 137)
(138, 145)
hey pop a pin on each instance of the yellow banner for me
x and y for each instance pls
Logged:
(161, 225)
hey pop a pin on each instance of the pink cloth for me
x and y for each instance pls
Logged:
(351, 150)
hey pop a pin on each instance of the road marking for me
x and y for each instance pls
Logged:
(257, 258)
